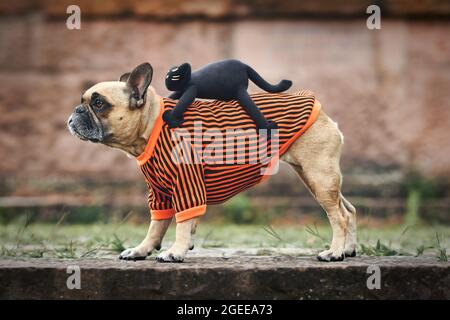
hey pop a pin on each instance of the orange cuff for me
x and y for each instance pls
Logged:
(190, 213)
(162, 214)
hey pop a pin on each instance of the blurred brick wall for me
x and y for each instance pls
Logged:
(387, 89)
(168, 9)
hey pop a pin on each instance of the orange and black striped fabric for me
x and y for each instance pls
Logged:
(216, 152)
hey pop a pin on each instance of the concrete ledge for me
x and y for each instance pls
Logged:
(245, 277)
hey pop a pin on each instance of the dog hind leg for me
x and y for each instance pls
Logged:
(351, 238)
(326, 190)
(315, 157)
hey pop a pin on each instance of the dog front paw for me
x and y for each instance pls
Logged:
(133, 254)
(168, 256)
(350, 251)
(171, 121)
(330, 256)
(175, 254)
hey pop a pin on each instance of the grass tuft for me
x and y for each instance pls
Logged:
(68, 251)
(117, 244)
(7, 252)
(441, 251)
(270, 230)
(314, 232)
(420, 250)
(379, 249)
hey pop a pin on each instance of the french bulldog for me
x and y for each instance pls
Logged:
(123, 114)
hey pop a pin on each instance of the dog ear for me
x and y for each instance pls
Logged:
(124, 77)
(138, 82)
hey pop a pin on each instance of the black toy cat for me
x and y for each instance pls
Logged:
(223, 80)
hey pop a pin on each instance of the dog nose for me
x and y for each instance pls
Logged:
(80, 109)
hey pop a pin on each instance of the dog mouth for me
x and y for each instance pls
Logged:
(86, 133)
(73, 129)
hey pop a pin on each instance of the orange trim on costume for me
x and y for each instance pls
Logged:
(190, 213)
(312, 118)
(162, 214)
(147, 153)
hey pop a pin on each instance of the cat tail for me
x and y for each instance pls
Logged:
(283, 85)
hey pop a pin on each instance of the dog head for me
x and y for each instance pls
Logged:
(110, 112)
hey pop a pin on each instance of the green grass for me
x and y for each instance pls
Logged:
(70, 241)
(117, 244)
(441, 250)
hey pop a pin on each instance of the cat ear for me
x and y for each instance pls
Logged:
(124, 77)
(186, 69)
(138, 81)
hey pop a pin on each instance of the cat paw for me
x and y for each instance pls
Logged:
(171, 121)
(269, 125)
(269, 129)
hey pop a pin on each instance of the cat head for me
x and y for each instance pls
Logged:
(178, 77)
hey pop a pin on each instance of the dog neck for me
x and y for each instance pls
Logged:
(149, 114)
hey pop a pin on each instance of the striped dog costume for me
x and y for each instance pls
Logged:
(215, 165)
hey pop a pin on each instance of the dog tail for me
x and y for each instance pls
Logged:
(283, 85)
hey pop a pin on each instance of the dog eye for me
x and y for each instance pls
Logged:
(98, 103)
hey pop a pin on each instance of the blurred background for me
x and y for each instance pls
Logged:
(388, 89)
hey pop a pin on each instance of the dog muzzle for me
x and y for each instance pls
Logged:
(83, 125)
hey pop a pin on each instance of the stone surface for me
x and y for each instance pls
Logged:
(227, 275)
